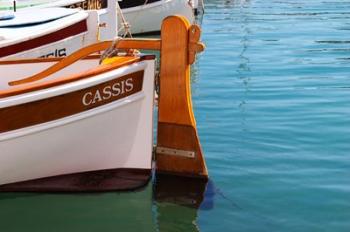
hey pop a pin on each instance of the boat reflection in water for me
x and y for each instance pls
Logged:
(170, 204)
(177, 200)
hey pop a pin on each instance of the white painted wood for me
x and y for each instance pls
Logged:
(149, 17)
(14, 35)
(102, 25)
(142, 19)
(8, 4)
(37, 16)
(108, 18)
(12, 74)
(116, 135)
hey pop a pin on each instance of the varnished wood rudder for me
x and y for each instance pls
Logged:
(177, 132)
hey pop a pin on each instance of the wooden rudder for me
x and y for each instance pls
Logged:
(178, 148)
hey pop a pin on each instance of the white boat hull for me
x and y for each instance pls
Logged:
(148, 18)
(8, 5)
(56, 38)
(57, 49)
(113, 136)
(141, 19)
(47, 35)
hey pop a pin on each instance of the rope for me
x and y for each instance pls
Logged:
(111, 51)
(125, 24)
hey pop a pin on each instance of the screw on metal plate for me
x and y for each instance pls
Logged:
(175, 152)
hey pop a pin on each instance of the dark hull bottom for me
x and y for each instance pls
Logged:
(94, 181)
(148, 33)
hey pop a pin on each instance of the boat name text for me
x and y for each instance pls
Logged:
(108, 92)
(57, 53)
(90, 5)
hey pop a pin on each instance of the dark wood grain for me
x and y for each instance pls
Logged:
(180, 137)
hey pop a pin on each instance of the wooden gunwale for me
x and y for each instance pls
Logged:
(124, 61)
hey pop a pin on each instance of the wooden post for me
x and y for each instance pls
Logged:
(178, 149)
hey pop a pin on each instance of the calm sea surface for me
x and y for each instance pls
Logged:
(272, 101)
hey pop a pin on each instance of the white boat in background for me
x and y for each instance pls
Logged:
(146, 16)
(54, 32)
(20, 4)
(198, 6)
(141, 16)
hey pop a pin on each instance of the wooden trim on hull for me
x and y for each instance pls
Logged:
(93, 181)
(62, 34)
(49, 109)
(64, 80)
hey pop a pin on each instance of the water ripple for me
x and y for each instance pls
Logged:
(273, 105)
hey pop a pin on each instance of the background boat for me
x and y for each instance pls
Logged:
(9, 4)
(54, 32)
(139, 16)
(146, 16)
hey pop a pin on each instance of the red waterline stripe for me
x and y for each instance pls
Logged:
(72, 30)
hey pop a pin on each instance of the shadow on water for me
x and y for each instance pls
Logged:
(169, 204)
(177, 200)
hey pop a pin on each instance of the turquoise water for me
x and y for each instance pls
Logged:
(272, 98)
(272, 101)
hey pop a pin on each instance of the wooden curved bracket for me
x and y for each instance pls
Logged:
(86, 51)
(80, 54)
